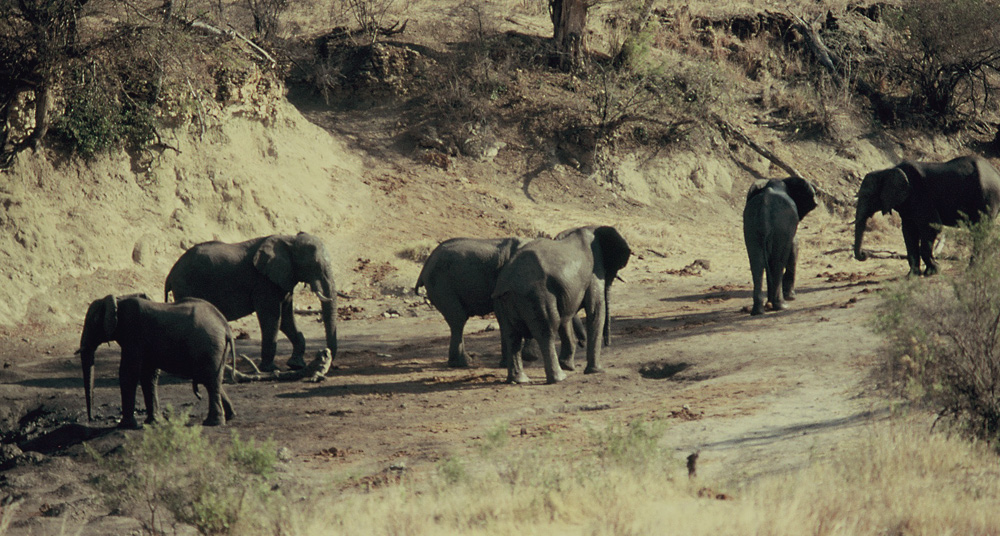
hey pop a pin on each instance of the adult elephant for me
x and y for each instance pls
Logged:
(543, 287)
(189, 338)
(927, 195)
(460, 276)
(258, 276)
(770, 220)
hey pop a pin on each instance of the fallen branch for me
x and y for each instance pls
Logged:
(728, 128)
(314, 371)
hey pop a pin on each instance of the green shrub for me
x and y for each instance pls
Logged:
(219, 489)
(635, 444)
(943, 338)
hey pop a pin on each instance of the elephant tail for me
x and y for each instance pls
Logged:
(166, 291)
(194, 387)
(231, 345)
(420, 283)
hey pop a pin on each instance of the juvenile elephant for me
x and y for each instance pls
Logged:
(460, 275)
(189, 338)
(927, 195)
(544, 285)
(258, 276)
(770, 219)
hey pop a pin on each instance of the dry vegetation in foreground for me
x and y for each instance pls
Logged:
(899, 478)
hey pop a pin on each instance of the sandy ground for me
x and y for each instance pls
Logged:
(753, 395)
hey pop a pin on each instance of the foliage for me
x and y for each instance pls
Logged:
(949, 56)
(216, 488)
(265, 15)
(943, 338)
(372, 16)
(635, 444)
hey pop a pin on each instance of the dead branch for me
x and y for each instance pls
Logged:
(314, 371)
(729, 129)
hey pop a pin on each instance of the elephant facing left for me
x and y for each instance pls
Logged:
(189, 338)
(258, 276)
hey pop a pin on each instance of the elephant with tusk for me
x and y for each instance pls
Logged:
(258, 276)
(927, 195)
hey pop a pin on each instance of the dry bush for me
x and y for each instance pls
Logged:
(943, 339)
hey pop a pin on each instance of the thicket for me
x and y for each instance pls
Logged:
(172, 466)
(943, 337)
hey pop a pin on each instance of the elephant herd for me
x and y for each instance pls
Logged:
(535, 288)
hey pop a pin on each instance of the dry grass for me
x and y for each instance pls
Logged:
(898, 479)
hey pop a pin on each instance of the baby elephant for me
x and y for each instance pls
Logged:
(188, 338)
(770, 219)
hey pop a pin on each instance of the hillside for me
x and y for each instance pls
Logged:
(381, 180)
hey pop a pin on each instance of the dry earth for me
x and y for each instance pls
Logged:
(754, 395)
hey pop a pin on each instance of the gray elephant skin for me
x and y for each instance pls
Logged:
(543, 287)
(189, 338)
(460, 276)
(771, 218)
(258, 276)
(927, 195)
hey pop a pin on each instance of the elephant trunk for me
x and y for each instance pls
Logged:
(860, 223)
(87, 363)
(607, 312)
(327, 294)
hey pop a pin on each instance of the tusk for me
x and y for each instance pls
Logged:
(322, 297)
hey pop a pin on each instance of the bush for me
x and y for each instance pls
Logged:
(219, 489)
(943, 338)
(949, 57)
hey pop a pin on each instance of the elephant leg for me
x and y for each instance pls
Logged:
(547, 344)
(457, 358)
(595, 325)
(510, 347)
(128, 381)
(297, 361)
(926, 248)
(911, 237)
(757, 275)
(149, 383)
(788, 280)
(567, 346)
(268, 320)
(215, 405)
(227, 405)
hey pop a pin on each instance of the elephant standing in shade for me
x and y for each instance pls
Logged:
(258, 276)
(927, 195)
(460, 275)
(545, 284)
(770, 220)
(189, 338)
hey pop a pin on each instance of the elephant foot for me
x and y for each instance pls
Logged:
(567, 365)
(268, 366)
(520, 378)
(230, 415)
(931, 270)
(296, 362)
(129, 424)
(757, 310)
(593, 369)
(556, 377)
(213, 421)
(459, 362)
(790, 295)
(780, 306)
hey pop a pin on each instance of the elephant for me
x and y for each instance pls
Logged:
(770, 219)
(927, 195)
(189, 338)
(258, 276)
(543, 287)
(460, 275)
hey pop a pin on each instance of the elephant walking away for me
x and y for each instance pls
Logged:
(460, 275)
(189, 338)
(543, 287)
(927, 195)
(770, 220)
(258, 276)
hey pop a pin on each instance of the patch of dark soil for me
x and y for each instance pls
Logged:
(662, 371)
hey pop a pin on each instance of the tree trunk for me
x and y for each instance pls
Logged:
(569, 19)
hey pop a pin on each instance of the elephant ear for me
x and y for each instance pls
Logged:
(274, 259)
(110, 315)
(614, 250)
(757, 187)
(802, 193)
(895, 188)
